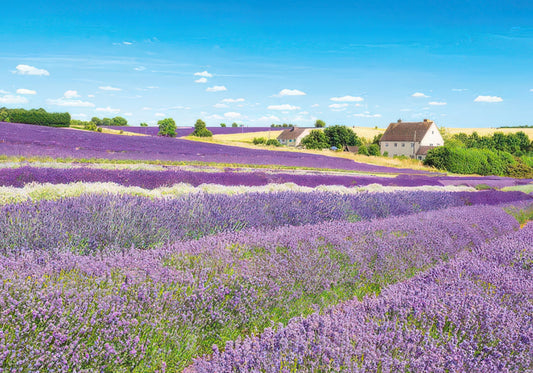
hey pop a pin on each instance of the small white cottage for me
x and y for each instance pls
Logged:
(293, 136)
(411, 139)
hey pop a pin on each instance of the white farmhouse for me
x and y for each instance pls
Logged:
(293, 136)
(411, 139)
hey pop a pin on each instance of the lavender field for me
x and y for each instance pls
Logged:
(121, 277)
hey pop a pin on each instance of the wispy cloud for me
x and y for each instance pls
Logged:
(24, 91)
(419, 95)
(3, 92)
(30, 70)
(437, 103)
(139, 68)
(161, 115)
(232, 115)
(108, 110)
(69, 103)
(146, 108)
(217, 88)
(269, 118)
(338, 107)
(459, 89)
(232, 100)
(109, 88)
(71, 94)
(220, 106)
(347, 99)
(10, 99)
(215, 116)
(283, 107)
(367, 114)
(201, 80)
(488, 99)
(205, 74)
(315, 105)
(290, 92)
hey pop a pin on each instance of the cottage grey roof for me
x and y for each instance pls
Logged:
(291, 133)
(406, 131)
(423, 150)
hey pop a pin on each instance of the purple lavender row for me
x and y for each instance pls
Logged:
(147, 310)
(470, 315)
(150, 179)
(181, 131)
(89, 223)
(38, 141)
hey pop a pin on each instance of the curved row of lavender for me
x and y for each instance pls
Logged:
(470, 315)
(150, 179)
(151, 310)
(91, 223)
(186, 131)
(30, 141)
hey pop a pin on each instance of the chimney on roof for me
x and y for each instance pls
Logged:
(399, 121)
(426, 120)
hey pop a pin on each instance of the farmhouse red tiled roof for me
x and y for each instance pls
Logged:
(406, 131)
(291, 133)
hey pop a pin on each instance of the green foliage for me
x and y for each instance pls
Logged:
(273, 142)
(97, 121)
(259, 140)
(320, 123)
(234, 124)
(36, 116)
(377, 138)
(119, 121)
(4, 115)
(167, 127)
(339, 136)
(143, 124)
(315, 140)
(200, 130)
(514, 143)
(222, 124)
(363, 150)
(373, 149)
(385, 154)
(107, 122)
(90, 126)
(470, 161)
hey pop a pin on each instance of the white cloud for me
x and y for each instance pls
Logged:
(3, 92)
(139, 68)
(291, 92)
(232, 115)
(178, 107)
(215, 116)
(437, 103)
(315, 105)
(488, 99)
(69, 103)
(205, 74)
(128, 114)
(30, 70)
(201, 80)
(459, 89)
(303, 113)
(220, 106)
(146, 108)
(91, 96)
(10, 99)
(233, 100)
(127, 43)
(283, 107)
(159, 115)
(269, 118)
(217, 88)
(338, 106)
(347, 99)
(81, 115)
(24, 91)
(108, 110)
(419, 95)
(109, 88)
(366, 114)
(152, 87)
(71, 94)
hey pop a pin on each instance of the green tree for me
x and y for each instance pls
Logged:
(167, 127)
(97, 121)
(273, 142)
(200, 130)
(320, 123)
(363, 150)
(107, 122)
(373, 149)
(234, 124)
(119, 121)
(143, 124)
(315, 140)
(339, 136)
(4, 115)
(223, 125)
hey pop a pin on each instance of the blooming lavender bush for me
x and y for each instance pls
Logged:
(147, 310)
(472, 314)
(91, 223)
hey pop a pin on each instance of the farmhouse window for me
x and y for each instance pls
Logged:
(403, 145)
(395, 144)
(387, 145)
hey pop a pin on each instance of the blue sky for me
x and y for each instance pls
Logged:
(460, 63)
